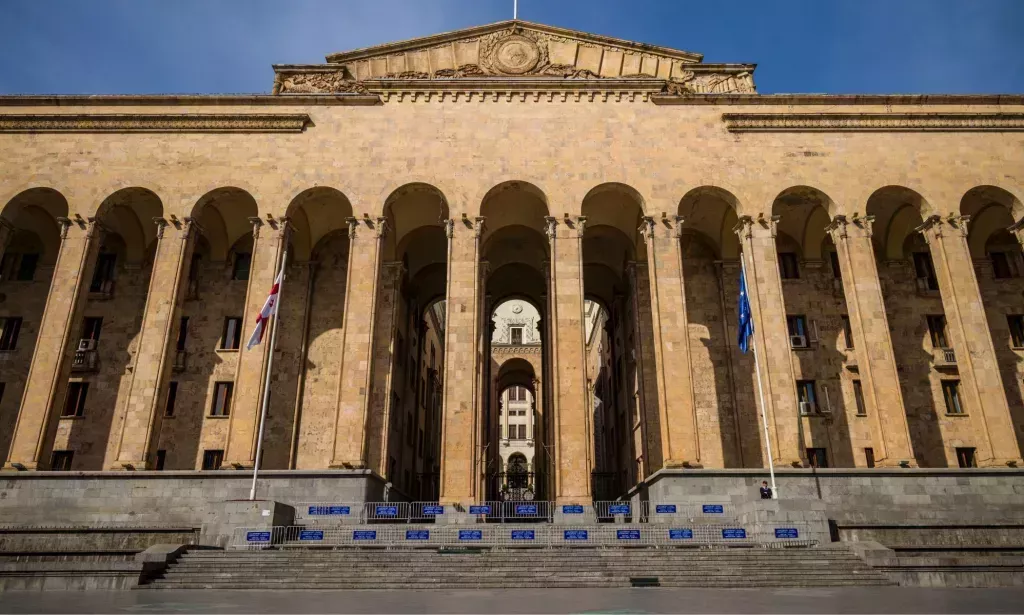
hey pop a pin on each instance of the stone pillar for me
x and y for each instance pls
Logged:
(568, 344)
(872, 343)
(269, 243)
(379, 419)
(356, 352)
(984, 397)
(47, 379)
(641, 362)
(680, 435)
(771, 337)
(463, 298)
(152, 362)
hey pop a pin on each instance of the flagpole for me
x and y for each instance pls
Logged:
(266, 381)
(760, 393)
(515, 9)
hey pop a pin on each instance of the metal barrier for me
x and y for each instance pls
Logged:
(331, 513)
(619, 512)
(519, 511)
(256, 538)
(667, 512)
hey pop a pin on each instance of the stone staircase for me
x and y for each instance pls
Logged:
(552, 568)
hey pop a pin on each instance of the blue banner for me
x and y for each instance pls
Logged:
(386, 511)
(734, 532)
(786, 532)
(680, 534)
(471, 535)
(417, 534)
(572, 509)
(479, 510)
(526, 509)
(627, 534)
(713, 509)
(329, 510)
(618, 509)
(575, 534)
(523, 535)
(665, 509)
(364, 535)
(257, 537)
(433, 510)
(311, 535)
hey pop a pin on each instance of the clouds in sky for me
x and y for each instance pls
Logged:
(223, 46)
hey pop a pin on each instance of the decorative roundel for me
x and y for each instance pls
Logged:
(516, 309)
(516, 55)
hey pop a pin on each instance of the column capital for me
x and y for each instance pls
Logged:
(647, 228)
(378, 225)
(1017, 228)
(581, 225)
(550, 226)
(478, 225)
(746, 224)
(449, 228)
(161, 224)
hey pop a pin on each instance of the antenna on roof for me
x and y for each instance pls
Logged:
(515, 9)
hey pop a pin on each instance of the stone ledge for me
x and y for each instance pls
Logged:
(156, 122)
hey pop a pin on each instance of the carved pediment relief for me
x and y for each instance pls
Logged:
(511, 50)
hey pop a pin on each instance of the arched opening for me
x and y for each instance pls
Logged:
(917, 320)
(25, 274)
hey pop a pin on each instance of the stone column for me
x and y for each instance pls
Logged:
(568, 343)
(47, 379)
(270, 241)
(461, 362)
(771, 336)
(642, 362)
(984, 397)
(876, 361)
(365, 240)
(378, 422)
(152, 362)
(680, 435)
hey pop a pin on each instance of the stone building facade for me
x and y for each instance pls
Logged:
(880, 235)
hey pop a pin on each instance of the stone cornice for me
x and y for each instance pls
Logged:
(155, 122)
(171, 100)
(841, 99)
(874, 122)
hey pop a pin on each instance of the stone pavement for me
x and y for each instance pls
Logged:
(625, 601)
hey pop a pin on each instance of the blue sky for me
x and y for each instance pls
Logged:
(225, 46)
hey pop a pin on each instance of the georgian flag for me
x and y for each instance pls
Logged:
(269, 309)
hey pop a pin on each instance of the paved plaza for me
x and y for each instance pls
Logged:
(628, 601)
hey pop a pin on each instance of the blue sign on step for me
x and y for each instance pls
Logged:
(665, 509)
(523, 535)
(417, 534)
(364, 535)
(572, 509)
(433, 510)
(734, 532)
(257, 536)
(311, 535)
(386, 511)
(471, 535)
(713, 509)
(680, 534)
(576, 534)
(479, 510)
(627, 534)
(618, 509)
(526, 509)
(786, 532)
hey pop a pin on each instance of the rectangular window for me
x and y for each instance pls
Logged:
(222, 399)
(516, 335)
(806, 396)
(937, 330)
(1004, 265)
(161, 458)
(858, 398)
(9, 329)
(212, 460)
(27, 268)
(869, 457)
(951, 394)
(965, 457)
(522, 432)
(61, 461)
(847, 331)
(788, 266)
(104, 273)
(91, 329)
(231, 337)
(74, 401)
(833, 259)
(182, 334)
(172, 397)
(798, 330)
(925, 271)
(241, 265)
(817, 457)
(1016, 322)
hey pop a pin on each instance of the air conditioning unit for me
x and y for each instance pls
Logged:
(798, 341)
(86, 344)
(806, 408)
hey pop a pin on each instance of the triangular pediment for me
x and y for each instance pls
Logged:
(513, 49)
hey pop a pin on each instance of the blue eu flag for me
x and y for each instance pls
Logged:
(746, 320)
